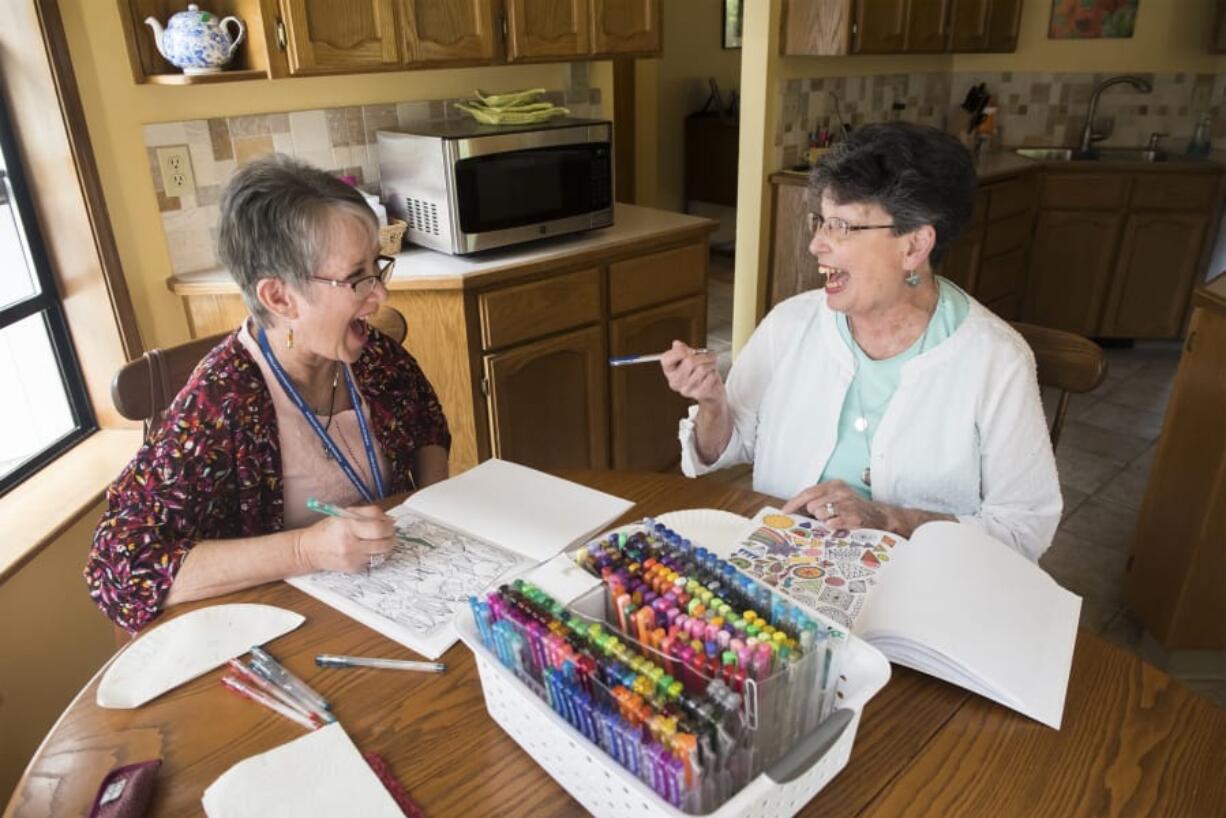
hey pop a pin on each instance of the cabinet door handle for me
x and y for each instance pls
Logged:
(1187, 347)
(281, 38)
(485, 387)
(503, 27)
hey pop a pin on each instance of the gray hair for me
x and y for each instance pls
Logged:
(275, 216)
(917, 174)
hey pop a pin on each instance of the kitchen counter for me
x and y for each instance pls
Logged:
(420, 269)
(1000, 164)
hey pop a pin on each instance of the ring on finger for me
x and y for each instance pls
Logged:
(375, 560)
(830, 510)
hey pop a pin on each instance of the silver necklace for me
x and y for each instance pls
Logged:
(860, 422)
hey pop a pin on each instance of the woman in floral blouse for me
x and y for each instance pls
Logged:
(304, 400)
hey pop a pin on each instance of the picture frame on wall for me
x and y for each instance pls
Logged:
(733, 13)
(1092, 19)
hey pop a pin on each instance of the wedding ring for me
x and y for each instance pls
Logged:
(830, 512)
(376, 560)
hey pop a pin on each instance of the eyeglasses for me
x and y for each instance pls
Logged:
(837, 228)
(363, 286)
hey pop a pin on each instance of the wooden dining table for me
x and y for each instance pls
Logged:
(1134, 741)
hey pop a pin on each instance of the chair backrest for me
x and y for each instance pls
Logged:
(1067, 362)
(143, 389)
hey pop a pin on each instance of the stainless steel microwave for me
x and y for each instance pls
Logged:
(464, 187)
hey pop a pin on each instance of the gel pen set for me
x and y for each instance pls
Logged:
(693, 713)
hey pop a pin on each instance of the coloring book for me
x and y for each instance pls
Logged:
(950, 601)
(457, 538)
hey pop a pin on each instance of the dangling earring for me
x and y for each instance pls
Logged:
(911, 279)
(289, 339)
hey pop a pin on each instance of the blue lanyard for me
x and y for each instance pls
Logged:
(327, 441)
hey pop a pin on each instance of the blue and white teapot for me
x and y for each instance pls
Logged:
(196, 41)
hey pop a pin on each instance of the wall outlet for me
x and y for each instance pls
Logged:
(175, 164)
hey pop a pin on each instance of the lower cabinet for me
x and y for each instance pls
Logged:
(1159, 260)
(547, 403)
(1070, 268)
(645, 411)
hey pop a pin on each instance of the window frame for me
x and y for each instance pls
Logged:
(47, 302)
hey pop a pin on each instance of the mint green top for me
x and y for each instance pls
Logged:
(875, 382)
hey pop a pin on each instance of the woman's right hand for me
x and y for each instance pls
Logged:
(340, 544)
(693, 375)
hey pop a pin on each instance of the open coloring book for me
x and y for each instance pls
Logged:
(457, 538)
(951, 602)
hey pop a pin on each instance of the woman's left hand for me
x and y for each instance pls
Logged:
(838, 505)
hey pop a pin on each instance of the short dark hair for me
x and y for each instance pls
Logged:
(917, 174)
(274, 222)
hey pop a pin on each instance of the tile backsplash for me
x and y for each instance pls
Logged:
(1033, 107)
(340, 140)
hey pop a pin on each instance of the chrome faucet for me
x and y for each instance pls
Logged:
(1088, 137)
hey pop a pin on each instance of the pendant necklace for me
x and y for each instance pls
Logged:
(336, 376)
(860, 423)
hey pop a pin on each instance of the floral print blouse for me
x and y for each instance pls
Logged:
(212, 469)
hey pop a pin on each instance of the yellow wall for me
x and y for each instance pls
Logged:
(52, 642)
(116, 108)
(693, 52)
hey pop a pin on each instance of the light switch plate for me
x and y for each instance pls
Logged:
(175, 163)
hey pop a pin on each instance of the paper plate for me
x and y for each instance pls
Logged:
(713, 529)
(187, 647)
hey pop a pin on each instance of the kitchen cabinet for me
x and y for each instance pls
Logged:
(836, 27)
(516, 340)
(449, 33)
(547, 29)
(793, 269)
(961, 263)
(984, 25)
(640, 397)
(546, 402)
(1217, 33)
(581, 29)
(339, 36)
(292, 38)
(1070, 268)
(1116, 253)
(1178, 558)
(1158, 261)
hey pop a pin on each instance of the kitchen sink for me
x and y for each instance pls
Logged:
(1093, 155)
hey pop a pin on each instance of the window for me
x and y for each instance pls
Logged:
(43, 406)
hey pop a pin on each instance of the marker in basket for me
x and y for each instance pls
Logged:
(627, 360)
(329, 660)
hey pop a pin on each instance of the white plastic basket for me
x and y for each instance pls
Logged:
(605, 788)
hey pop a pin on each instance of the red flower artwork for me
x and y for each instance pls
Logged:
(1081, 19)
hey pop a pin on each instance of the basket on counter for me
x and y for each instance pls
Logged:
(391, 236)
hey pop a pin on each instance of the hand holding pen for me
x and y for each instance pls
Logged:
(348, 539)
(694, 374)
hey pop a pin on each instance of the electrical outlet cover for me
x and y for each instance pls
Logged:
(175, 164)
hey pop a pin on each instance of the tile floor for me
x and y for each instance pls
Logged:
(1106, 448)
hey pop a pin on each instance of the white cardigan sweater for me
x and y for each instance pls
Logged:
(963, 435)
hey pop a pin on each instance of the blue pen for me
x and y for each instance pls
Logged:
(626, 360)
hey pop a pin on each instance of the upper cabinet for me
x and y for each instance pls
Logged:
(547, 29)
(311, 37)
(462, 31)
(339, 36)
(834, 27)
(581, 29)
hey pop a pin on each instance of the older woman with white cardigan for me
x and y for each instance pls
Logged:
(891, 398)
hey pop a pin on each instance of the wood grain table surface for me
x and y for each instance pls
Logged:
(1134, 741)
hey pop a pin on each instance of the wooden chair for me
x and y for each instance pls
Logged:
(1067, 362)
(143, 389)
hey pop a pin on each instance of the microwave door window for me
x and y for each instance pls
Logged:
(504, 190)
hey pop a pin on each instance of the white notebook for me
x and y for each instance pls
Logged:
(457, 538)
(951, 602)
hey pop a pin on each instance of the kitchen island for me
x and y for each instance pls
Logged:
(516, 341)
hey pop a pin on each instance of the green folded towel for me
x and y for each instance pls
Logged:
(511, 108)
